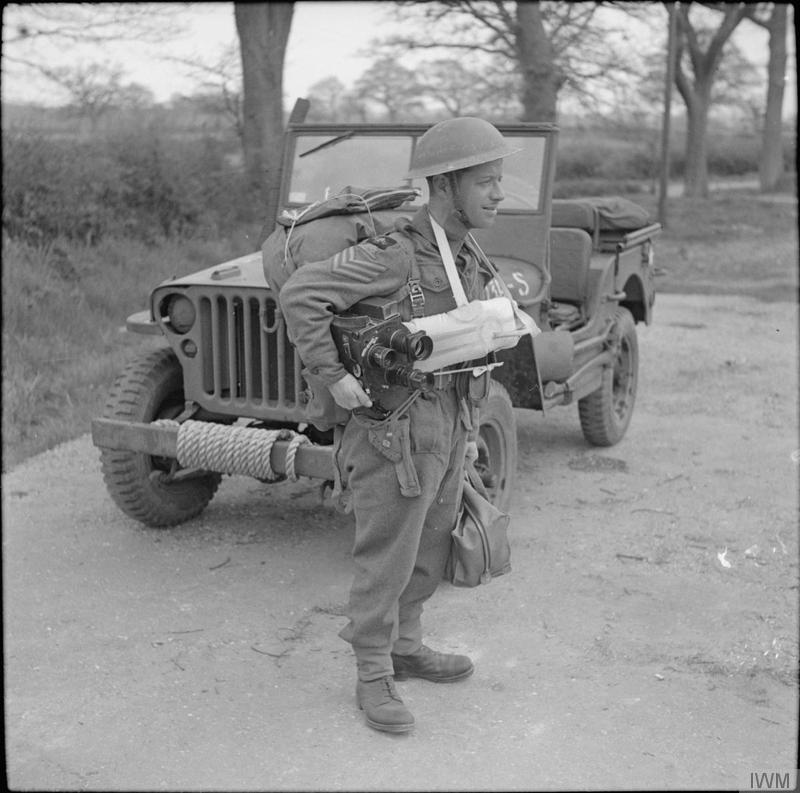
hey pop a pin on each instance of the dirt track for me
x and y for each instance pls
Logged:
(646, 638)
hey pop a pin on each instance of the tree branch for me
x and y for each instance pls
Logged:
(412, 44)
(733, 16)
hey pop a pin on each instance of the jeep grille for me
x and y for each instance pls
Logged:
(245, 364)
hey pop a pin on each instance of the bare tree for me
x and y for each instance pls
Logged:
(96, 88)
(220, 80)
(492, 89)
(35, 34)
(263, 30)
(511, 30)
(391, 86)
(135, 96)
(700, 50)
(326, 97)
(774, 19)
(98, 23)
(331, 100)
(549, 45)
(542, 78)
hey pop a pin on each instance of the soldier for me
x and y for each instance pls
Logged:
(405, 470)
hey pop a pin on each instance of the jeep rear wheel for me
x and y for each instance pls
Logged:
(606, 413)
(497, 446)
(151, 388)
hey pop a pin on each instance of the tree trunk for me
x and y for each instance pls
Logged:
(263, 30)
(540, 77)
(696, 160)
(770, 166)
(697, 93)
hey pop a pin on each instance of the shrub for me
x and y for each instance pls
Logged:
(733, 156)
(575, 188)
(140, 184)
(579, 160)
(596, 155)
(50, 191)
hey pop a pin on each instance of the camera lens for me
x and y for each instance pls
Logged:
(381, 356)
(417, 346)
(410, 378)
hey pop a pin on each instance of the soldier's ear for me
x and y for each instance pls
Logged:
(440, 184)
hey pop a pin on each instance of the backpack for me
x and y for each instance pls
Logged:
(315, 233)
(324, 228)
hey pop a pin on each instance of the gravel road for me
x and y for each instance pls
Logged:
(646, 637)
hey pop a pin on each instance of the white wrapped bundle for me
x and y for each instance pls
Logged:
(472, 331)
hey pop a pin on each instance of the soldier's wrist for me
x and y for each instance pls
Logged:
(329, 374)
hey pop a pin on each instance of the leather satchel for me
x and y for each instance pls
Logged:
(479, 549)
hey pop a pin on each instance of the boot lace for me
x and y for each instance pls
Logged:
(388, 690)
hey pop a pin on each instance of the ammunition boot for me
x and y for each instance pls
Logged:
(430, 665)
(382, 706)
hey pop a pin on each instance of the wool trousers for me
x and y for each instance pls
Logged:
(406, 478)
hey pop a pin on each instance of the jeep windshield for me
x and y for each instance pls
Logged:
(322, 164)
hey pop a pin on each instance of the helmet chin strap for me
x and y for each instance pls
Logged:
(461, 215)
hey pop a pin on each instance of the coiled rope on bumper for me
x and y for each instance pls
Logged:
(235, 450)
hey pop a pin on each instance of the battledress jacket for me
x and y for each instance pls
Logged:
(380, 266)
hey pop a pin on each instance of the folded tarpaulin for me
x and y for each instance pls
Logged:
(603, 213)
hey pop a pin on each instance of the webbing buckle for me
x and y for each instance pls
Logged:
(417, 297)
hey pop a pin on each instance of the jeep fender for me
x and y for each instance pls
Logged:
(610, 283)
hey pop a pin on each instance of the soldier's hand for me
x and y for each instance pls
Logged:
(472, 451)
(349, 394)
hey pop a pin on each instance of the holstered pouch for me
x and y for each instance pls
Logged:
(392, 438)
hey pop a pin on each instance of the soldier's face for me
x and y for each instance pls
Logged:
(480, 193)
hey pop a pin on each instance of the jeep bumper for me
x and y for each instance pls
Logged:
(162, 441)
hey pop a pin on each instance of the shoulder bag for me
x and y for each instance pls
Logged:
(479, 549)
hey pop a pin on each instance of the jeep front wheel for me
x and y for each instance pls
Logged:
(143, 486)
(606, 412)
(497, 446)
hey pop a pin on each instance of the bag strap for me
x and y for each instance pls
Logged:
(493, 271)
(449, 265)
(524, 320)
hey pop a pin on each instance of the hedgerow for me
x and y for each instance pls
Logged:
(138, 185)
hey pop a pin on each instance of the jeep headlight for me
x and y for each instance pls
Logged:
(180, 312)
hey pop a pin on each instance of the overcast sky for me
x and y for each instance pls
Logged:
(325, 40)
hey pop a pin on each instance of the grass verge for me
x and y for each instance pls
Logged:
(64, 341)
(735, 242)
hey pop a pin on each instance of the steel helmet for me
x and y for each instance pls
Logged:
(458, 143)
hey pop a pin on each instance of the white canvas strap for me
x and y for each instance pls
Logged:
(525, 320)
(449, 265)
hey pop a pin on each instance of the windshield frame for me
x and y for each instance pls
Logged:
(340, 132)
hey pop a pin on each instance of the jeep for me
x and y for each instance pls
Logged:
(225, 394)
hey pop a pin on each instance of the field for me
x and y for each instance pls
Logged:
(65, 303)
(736, 242)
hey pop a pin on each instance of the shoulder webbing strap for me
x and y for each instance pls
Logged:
(413, 283)
(523, 318)
(491, 268)
(449, 265)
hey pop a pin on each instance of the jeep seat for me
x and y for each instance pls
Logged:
(570, 254)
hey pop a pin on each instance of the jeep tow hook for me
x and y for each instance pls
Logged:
(617, 297)
(553, 389)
